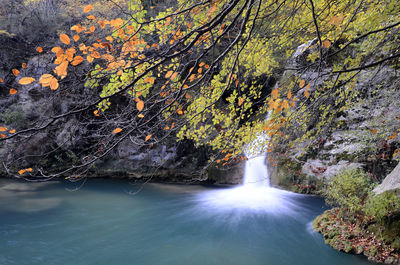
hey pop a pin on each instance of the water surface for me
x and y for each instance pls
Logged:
(103, 223)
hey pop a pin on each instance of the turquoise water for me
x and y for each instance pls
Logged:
(107, 222)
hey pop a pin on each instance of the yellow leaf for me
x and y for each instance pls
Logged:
(87, 8)
(302, 83)
(65, 39)
(13, 91)
(26, 81)
(147, 137)
(39, 49)
(326, 44)
(241, 100)
(89, 58)
(15, 72)
(274, 93)
(117, 130)
(140, 105)
(3, 129)
(140, 116)
(45, 80)
(77, 60)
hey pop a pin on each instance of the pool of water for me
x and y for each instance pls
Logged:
(114, 222)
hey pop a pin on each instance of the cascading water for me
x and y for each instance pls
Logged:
(255, 194)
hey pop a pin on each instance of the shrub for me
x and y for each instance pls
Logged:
(382, 205)
(349, 190)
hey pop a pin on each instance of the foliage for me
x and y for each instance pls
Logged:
(199, 70)
(382, 205)
(349, 190)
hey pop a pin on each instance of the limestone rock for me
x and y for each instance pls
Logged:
(391, 182)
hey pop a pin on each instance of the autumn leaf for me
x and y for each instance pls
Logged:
(15, 72)
(29, 169)
(22, 171)
(374, 131)
(61, 70)
(26, 81)
(3, 136)
(77, 60)
(326, 44)
(3, 129)
(12, 131)
(274, 93)
(169, 74)
(13, 91)
(392, 136)
(39, 49)
(1, 80)
(140, 116)
(87, 8)
(241, 100)
(306, 94)
(117, 130)
(65, 39)
(140, 105)
(24, 65)
(147, 137)
(54, 84)
(91, 17)
(174, 75)
(302, 83)
(96, 113)
(76, 38)
(45, 80)
(289, 95)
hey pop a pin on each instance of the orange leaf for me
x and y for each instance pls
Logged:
(326, 44)
(65, 39)
(24, 65)
(289, 95)
(61, 70)
(15, 72)
(174, 75)
(22, 171)
(169, 73)
(26, 81)
(306, 94)
(374, 131)
(29, 169)
(91, 17)
(77, 60)
(13, 91)
(140, 105)
(117, 130)
(147, 137)
(87, 8)
(1, 80)
(302, 83)
(12, 131)
(274, 93)
(3, 136)
(76, 37)
(241, 100)
(39, 49)
(3, 129)
(54, 84)
(56, 49)
(96, 113)
(140, 116)
(45, 80)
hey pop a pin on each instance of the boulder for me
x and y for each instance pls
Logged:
(391, 182)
